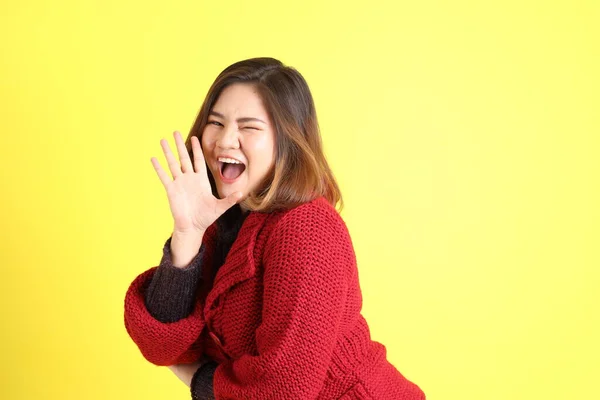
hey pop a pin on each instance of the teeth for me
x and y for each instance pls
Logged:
(229, 160)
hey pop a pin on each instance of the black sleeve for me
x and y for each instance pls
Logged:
(201, 386)
(171, 294)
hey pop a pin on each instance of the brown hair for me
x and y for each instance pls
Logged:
(301, 172)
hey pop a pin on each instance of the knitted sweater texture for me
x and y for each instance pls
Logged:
(281, 318)
(171, 293)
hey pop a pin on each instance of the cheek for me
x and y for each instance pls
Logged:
(264, 147)
(207, 142)
(205, 139)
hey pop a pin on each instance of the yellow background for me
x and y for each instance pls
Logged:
(464, 135)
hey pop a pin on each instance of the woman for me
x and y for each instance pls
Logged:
(257, 293)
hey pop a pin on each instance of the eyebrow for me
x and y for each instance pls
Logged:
(244, 119)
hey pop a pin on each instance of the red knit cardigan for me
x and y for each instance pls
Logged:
(282, 318)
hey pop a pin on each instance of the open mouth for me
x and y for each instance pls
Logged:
(231, 169)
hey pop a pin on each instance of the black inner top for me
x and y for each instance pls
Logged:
(228, 227)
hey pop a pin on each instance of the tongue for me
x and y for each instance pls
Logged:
(232, 171)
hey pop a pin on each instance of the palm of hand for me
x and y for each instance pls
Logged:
(193, 206)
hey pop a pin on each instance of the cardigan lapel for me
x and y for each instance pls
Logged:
(239, 263)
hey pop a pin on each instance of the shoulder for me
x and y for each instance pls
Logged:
(317, 214)
(315, 225)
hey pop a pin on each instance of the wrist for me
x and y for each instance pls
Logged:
(188, 237)
(184, 248)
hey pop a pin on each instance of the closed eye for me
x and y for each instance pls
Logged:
(217, 123)
(251, 127)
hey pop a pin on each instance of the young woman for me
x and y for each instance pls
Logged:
(257, 293)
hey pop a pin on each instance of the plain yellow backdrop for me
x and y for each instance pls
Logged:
(464, 135)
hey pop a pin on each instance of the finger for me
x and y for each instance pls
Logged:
(228, 202)
(162, 175)
(199, 163)
(174, 166)
(184, 156)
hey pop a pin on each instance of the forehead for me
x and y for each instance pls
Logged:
(238, 99)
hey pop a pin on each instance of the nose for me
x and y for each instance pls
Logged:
(229, 138)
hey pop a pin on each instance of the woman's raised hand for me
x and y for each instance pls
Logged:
(193, 206)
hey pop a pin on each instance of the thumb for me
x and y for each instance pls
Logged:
(228, 202)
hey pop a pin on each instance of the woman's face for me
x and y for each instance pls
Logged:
(238, 141)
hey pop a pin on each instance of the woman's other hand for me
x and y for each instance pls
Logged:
(185, 372)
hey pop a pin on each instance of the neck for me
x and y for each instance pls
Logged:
(244, 208)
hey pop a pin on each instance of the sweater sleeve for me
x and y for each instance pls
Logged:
(307, 262)
(162, 312)
(172, 290)
(201, 387)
